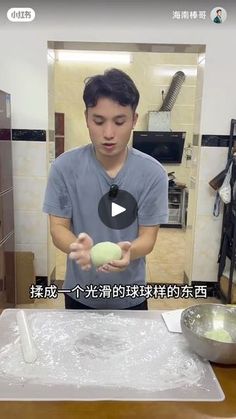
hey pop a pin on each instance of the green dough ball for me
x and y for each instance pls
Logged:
(105, 252)
(220, 335)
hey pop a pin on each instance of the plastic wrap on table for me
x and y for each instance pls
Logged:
(99, 349)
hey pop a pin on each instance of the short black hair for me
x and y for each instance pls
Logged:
(113, 84)
(219, 10)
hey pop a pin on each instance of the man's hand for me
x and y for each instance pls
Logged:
(121, 264)
(80, 251)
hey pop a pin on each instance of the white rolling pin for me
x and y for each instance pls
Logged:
(27, 345)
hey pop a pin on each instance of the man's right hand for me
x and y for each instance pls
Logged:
(80, 251)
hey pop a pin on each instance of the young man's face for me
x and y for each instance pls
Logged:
(110, 126)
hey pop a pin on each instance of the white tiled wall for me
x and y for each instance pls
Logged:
(28, 192)
(51, 75)
(213, 160)
(30, 227)
(207, 227)
(29, 158)
(190, 229)
(24, 75)
(51, 251)
(190, 256)
(30, 176)
(206, 248)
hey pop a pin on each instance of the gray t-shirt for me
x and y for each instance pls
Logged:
(76, 183)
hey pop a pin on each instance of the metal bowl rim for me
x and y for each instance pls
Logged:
(194, 334)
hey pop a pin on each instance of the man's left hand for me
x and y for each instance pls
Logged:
(121, 264)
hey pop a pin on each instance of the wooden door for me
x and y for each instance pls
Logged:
(59, 133)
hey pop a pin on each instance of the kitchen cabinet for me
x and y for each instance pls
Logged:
(7, 237)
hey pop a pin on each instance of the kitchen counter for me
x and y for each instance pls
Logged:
(122, 410)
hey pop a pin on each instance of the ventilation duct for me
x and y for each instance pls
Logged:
(173, 91)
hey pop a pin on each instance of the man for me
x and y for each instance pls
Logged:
(79, 179)
(218, 18)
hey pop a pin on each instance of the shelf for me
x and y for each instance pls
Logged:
(177, 206)
(175, 203)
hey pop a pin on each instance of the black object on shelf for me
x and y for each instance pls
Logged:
(228, 233)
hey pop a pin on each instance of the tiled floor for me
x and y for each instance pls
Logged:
(164, 265)
(166, 262)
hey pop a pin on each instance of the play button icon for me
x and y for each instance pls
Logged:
(118, 212)
(116, 209)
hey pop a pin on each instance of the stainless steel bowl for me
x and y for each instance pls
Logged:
(202, 318)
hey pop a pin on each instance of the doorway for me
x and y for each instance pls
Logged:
(152, 67)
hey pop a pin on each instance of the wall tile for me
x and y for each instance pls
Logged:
(29, 192)
(188, 261)
(29, 158)
(195, 160)
(51, 254)
(41, 268)
(206, 199)
(29, 135)
(217, 112)
(30, 227)
(197, 116)
(179, 58)
(24, 75)
(213, 161)
(165, 73)
(186, 95)
(200, 76)
(149, 58)
(206, 248)
(182, 114)
(151, 95)
(154, 99)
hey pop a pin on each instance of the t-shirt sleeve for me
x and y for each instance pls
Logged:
(153, 204)
(57, 199)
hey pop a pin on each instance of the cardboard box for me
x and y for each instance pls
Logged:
(25, 277)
